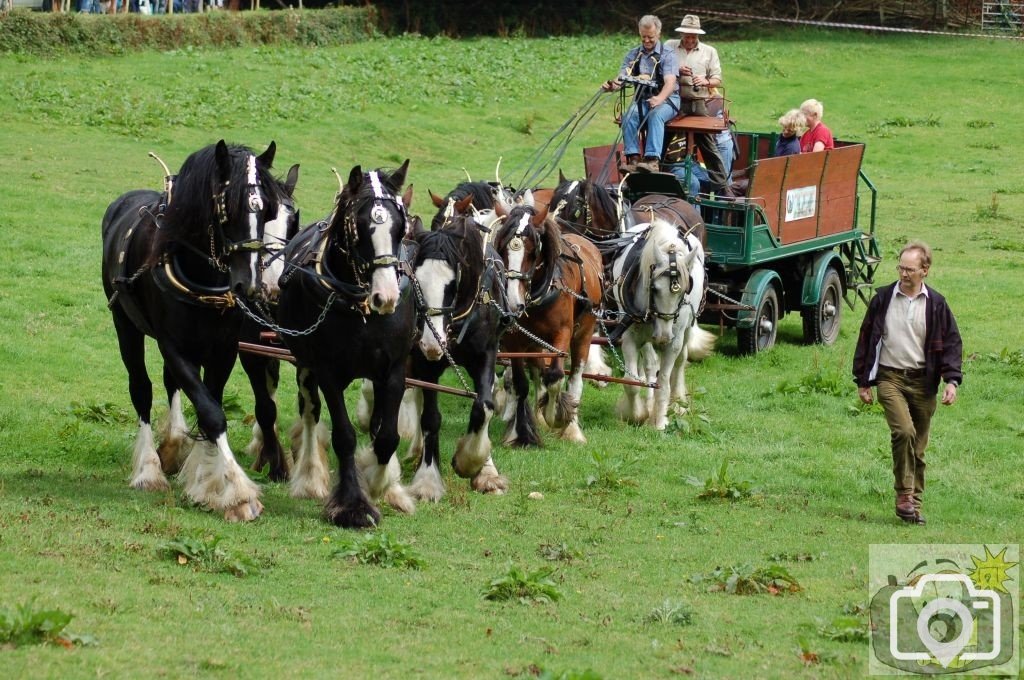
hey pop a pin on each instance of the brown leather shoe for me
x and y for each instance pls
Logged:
(905, 508)
(649, 164)
(630, 165)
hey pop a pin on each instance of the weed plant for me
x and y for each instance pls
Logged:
(380, 549)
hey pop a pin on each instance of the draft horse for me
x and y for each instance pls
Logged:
(586, 208)
(459, 281)
(173, 267)
(264, 372)
(350, 318)
(481, 195)
(658, 281)
(554, 283)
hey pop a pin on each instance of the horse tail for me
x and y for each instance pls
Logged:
(699, 343)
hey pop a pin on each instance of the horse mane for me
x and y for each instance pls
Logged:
(192, 210)
(483, 198)
(661, 236)
(598, 195)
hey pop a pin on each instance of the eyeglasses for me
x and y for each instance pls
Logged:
(907, 270)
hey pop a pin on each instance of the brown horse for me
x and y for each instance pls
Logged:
(554, 283)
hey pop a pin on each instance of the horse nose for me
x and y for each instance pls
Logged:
(243, 289)
(382, 304)
(659, 339)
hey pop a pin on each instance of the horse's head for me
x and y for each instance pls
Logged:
(586, 208)
(223, 197)
(448, 268)
(569, 200)
(482, 194)
(664, 278)
(373, 221)
(277, 232)
(529, 245)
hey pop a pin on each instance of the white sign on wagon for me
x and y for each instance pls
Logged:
(801, 203)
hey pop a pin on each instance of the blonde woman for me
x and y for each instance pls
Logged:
(793, 124)
(818, 137)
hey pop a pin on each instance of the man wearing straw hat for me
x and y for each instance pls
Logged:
(700, 71)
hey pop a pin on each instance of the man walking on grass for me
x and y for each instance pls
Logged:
(908, 342)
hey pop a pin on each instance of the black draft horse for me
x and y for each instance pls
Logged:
(342, 293)
(265, 372)
(173, 265)
(459, 282)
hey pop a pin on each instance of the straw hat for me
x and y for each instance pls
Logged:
(691, 24)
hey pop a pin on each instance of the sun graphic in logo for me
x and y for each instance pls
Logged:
(991, 573)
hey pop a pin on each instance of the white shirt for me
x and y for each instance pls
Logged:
(905, 325)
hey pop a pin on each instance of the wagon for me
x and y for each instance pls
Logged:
(801, 239)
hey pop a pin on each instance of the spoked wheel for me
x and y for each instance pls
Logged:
(821, 322)
(766, 326)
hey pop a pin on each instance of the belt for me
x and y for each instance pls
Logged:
(905, 372)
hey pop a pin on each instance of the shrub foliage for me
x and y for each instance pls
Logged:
(50, 34)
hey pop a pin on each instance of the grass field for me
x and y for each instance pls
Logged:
(632, 547)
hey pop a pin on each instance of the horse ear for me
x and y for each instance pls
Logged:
(355, 179)
(462, 205)
(267, 157)
(407, 198)
(561, 177)
(397, 178)
(540, 216)
(291, 180)
(500, 210)
(435, 199)
(414, 227)
(223, 157)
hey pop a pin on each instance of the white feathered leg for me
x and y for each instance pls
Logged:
(310, 476)
(383, 481)
(147, 475)
(214, 479)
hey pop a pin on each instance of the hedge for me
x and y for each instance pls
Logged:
(52, 34)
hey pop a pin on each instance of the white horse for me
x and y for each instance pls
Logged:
(658, 283)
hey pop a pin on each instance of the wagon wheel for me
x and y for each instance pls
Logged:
(821, 321)
(761, 336)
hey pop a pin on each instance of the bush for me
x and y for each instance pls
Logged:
(53, 34)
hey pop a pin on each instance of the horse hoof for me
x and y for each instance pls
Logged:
(358, 515)
(151, 484)
(244, 512)
(490, 484)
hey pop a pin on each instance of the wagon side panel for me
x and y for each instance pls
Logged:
(838, 203)
(798, 207)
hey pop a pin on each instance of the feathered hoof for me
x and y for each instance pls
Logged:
(398, 497)
(573, 433)
(490, 482)
(150, 482)
(244, 512)
(171, 455)
(360, 514)
(310, 488)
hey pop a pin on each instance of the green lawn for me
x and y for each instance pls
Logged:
(618, 522)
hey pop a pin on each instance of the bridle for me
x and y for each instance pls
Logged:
(254, 204)
(346, 244)
(672, 270)
(516, 243)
